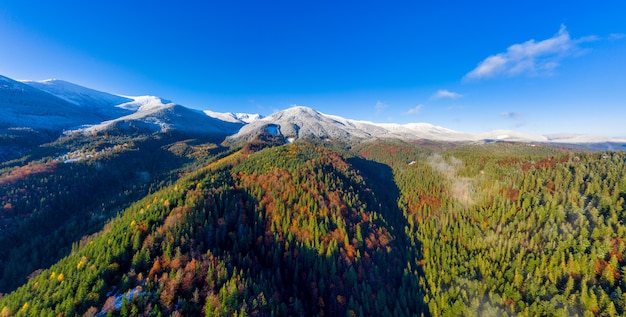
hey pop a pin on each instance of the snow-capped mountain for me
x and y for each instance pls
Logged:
(23, 106)
(35, 113)
(153, 114)
(578, 138)
(417, 131)
(56, 106)
(234, 117)
(101, 103)
(302, 122)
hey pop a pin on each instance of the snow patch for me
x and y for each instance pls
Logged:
(248, 117)
(142, 103)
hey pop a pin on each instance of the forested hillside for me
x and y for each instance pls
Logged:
(383, 229)
(48, 204)
(515, 230)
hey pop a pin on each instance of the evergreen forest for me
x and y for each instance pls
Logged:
(155, 226)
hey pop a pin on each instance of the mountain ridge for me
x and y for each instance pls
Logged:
(302, 122)
(101, 102)
(24, 106)
(157, 116)
(154, 114)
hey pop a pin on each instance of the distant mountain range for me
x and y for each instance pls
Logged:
(61, 107)
(303, 122)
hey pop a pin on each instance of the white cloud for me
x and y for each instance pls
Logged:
(530, 57)
(511, 115)
(380, 106)
(416, 110)
(617, 36)
(444, 93)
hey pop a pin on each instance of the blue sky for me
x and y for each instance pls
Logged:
(471, 66)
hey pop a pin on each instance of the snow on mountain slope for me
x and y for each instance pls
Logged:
(513, 136)
(234, 117)
(154, 114)
(59, 106)
(302, 122)
(143, 103)
(417, 131)
(76, 94)
(581, 138)
(56, 105)
(24, 106)
(101, 103)
(248, 117)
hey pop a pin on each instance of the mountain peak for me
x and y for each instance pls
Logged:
(300, 122)
(300, 110)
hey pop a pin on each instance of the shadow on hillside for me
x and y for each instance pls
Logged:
(379, 177)
(310, 280)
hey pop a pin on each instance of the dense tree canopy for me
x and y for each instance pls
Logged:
(384, 229)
